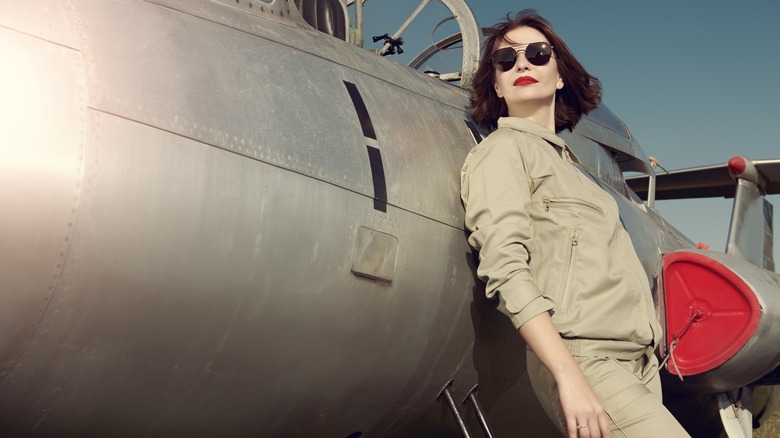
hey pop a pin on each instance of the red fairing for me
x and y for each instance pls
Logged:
(737, 165)
(709, 308)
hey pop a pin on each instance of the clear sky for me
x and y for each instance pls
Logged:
(695, 81)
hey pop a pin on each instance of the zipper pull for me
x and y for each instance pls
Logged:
(574, 240)
(546, 205)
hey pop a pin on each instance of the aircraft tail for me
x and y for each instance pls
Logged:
(751, 231)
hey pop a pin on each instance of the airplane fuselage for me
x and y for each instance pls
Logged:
(218, 221)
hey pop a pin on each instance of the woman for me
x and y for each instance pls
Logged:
(551, 243)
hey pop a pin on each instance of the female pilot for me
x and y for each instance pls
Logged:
(551, 244)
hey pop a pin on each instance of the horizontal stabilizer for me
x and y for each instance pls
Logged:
(704, 182)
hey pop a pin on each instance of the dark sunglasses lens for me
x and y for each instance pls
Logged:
(538, 53)
(504, 59)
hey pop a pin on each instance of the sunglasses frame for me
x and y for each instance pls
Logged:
(500, 65)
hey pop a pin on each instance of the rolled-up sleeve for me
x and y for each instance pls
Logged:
(496, 191)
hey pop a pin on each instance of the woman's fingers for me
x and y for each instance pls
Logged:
(590, 427)
(604, 426)
(583, 431)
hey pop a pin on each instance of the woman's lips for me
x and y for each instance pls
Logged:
(525, 80)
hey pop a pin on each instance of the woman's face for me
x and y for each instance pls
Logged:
(528, 89)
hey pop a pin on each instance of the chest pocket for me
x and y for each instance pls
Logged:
(563, 210)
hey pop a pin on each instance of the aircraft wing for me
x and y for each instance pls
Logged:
(704, 182)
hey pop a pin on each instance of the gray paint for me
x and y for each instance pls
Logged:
(186, 196)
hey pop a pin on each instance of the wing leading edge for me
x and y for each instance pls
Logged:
(751, 232)
(705, 181)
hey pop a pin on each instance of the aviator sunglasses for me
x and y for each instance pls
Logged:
(536, 53)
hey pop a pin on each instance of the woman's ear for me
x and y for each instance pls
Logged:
(560, 83)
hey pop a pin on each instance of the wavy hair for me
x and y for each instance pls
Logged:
(581, 91)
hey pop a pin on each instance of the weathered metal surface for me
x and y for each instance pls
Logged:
(42, 158)
(189, 189)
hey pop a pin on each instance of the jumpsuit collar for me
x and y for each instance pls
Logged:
(531, 127)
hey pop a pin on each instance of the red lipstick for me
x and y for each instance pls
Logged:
(525, 80)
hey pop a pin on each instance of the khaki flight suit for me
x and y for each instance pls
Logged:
(550, 240)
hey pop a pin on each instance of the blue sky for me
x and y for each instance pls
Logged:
(695, 81)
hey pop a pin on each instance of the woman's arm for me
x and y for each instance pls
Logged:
(581, 406)
(496, 191)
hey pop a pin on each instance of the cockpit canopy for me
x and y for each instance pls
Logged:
(327, 16)
(600, 126)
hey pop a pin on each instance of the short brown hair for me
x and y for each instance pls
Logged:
(581, 91)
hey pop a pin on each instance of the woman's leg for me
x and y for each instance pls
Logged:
(629, 390)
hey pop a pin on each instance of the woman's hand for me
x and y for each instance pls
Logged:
(585, 416)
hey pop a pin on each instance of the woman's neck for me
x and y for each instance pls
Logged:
(543, 115)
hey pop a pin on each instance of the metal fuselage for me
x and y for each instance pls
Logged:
(199, 224)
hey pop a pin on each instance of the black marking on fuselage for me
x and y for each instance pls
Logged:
(378, 178)
(362, 112)
(374, 154)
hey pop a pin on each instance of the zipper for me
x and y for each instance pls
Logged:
(568, 268)
(561, 202)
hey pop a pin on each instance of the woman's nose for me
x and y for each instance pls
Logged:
(521, 63)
